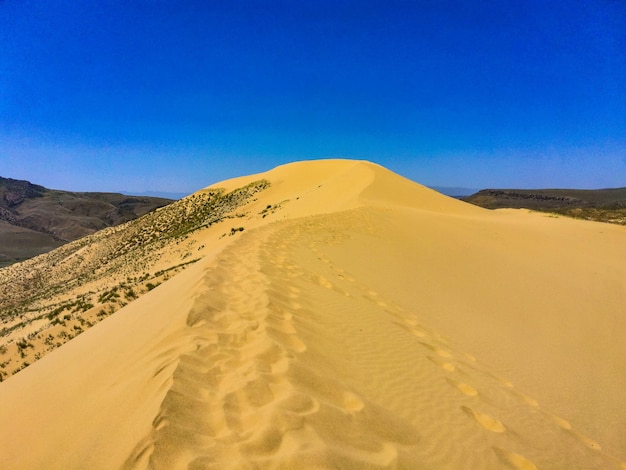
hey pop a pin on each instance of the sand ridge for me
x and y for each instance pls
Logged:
(353, 332)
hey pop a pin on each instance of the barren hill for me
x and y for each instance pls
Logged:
(34, 219)
(602, 205)
(326, 314)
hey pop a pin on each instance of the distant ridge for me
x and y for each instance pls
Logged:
(602, 205)
(35, 219)
(157, 194)
(454, 191)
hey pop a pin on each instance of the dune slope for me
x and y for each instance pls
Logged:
(368, 323)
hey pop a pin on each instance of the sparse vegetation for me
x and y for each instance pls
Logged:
(23, 344)
(269, 209)
(82, 305)
(79, 284)
(109, 296)
(130, 294)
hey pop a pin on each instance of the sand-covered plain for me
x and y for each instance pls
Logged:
(359, 321)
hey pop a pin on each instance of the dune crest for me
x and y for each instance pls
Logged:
(359, 321)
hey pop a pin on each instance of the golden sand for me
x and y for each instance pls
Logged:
(368, 323)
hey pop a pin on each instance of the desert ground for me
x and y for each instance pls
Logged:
(324, 314)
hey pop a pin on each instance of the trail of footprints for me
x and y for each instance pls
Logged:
(239, 396)
(440, 353)
(225, 389)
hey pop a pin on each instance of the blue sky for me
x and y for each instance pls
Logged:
(173, 96)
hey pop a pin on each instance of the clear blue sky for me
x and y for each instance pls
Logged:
(175, 95)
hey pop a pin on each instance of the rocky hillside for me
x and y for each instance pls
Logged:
(35, 220)
(603, 205)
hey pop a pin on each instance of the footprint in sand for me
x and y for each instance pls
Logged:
(417, 332)
(296, 344)
(300, 404)
(326, 391)
(264, 442)
(445, 365)
(438, 351)
(322, 281)
(469, 357)
(352, 402)
(346, 277)
(462, 387)
(486, 421)
(295, 305)
(293, 292)
(291, 274)
(258, 392)
(527, 398)
(505, 382)
(410, 320)
(283, 325)
(514, 460)
(289, 341)
(584, 439)
(280, 367)
(562, 423)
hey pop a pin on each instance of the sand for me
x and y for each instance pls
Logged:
(369, 322)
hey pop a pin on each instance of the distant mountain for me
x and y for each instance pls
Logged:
(604, 205)
(454, 191)
(159, 194)
(35, 220)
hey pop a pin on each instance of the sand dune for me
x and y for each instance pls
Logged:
(360, 321)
